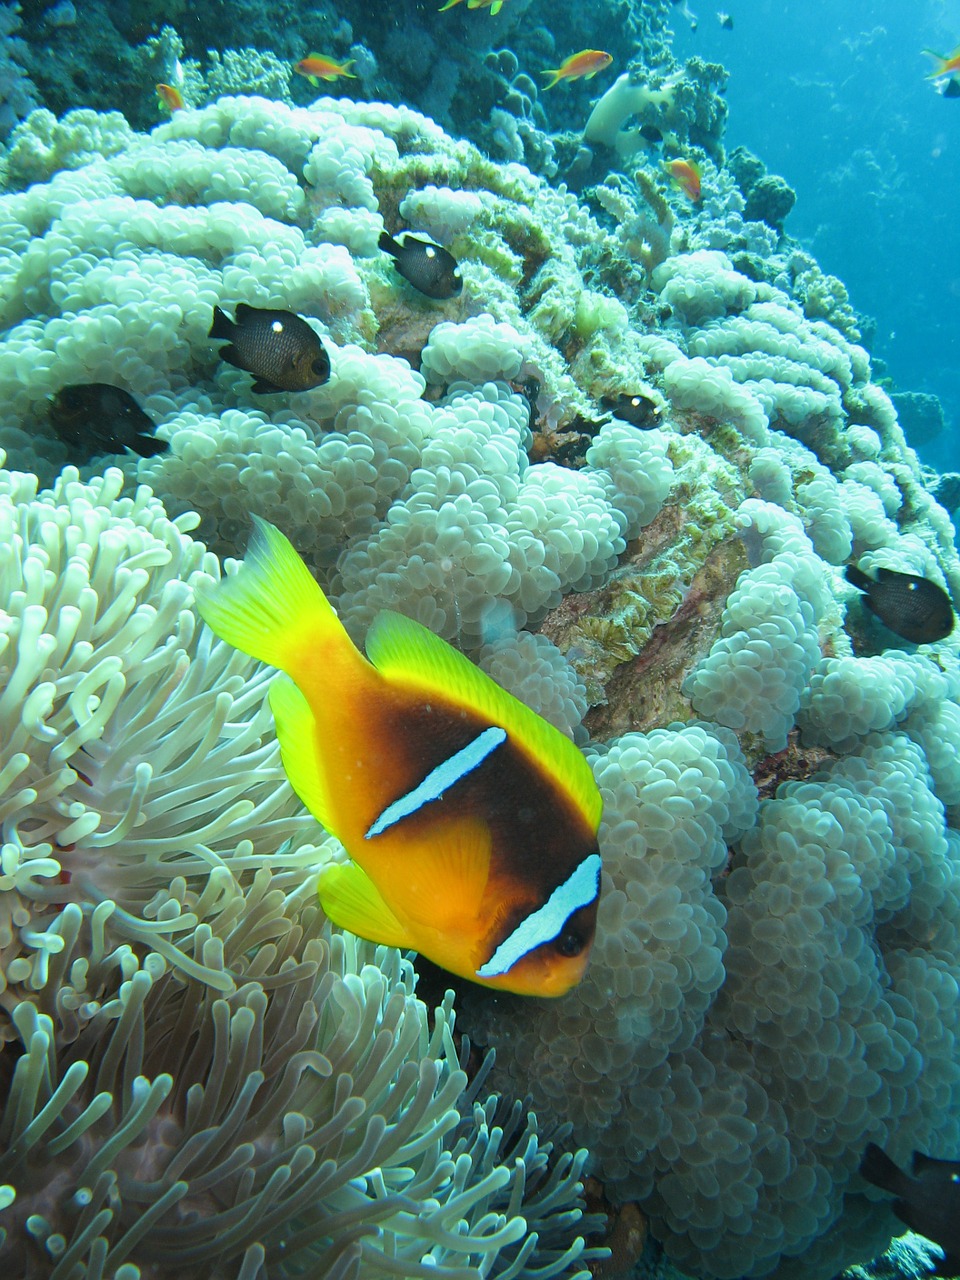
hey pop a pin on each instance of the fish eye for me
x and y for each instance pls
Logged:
(569, 943)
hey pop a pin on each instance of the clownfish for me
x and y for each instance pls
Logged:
(471, 823)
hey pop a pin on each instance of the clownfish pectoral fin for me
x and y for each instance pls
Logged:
(352, 901)
(406, 651)
(296, 730)
(444, 881)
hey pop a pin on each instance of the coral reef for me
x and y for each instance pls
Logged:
(439, 63)
(17, 93)
(775, 971)
(768, 197)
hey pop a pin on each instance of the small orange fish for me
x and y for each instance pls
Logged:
(317, 67)
(686, 176)
(582, 65)
(946, 66)
(171, 97)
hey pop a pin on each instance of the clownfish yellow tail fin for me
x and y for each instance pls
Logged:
(272, 608)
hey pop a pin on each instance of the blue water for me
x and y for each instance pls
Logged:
(832, 95)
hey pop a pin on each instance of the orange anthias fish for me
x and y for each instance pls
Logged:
(685, 175)
(171, 97)
(317, 67)
(470, 821)
(946, 66)
(584, 64)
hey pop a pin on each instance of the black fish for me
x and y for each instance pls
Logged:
(425, 265)
(928, 1203)
(914, 608)
(279, 348)
(100, 418)
(637, 409)
(951, 89)
(650, 133)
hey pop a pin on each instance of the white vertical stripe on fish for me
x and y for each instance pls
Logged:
(439, 779)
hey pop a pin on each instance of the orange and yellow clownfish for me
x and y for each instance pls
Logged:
(946, 66)
(317, 67)
(171, 97)
(584, 64)
(685, 175)
(470, 821)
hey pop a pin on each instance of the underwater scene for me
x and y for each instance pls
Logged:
(479, 657)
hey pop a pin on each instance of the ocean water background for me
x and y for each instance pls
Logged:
(832, 95)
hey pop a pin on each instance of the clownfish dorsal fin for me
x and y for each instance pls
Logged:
(352, 901)
(296, 729)
(407, 652)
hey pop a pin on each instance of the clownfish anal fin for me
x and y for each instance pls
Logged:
(352, 901)
(296, 733)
